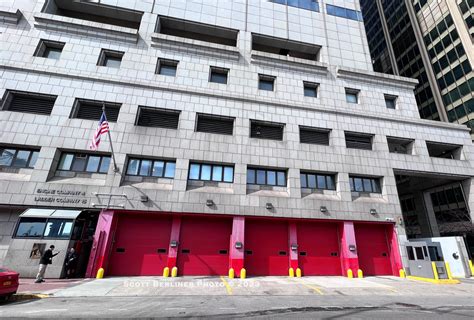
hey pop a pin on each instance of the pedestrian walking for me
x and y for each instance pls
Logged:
(70, 263)
(46, 258)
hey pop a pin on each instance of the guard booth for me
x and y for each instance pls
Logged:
(424, 260)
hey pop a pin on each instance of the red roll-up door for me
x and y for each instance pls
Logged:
(266, 247)
(204, 246)
(318, 249)
(141, 246)
(373, 249)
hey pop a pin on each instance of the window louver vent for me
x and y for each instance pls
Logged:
(159, 118)
(358, 141)
(215, 124)
(92, 110)
(265, 130)
(314, 136)
(27, 102)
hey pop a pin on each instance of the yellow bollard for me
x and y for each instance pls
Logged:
(291, 272)
(350, 275)
(298, 272)
(360, 274)
(100, 273)
(166, 272)
(231, 273)
(471, 266)
(435, 271)
(243, 273)
(448, 271)
(402, 273)
(174, 272)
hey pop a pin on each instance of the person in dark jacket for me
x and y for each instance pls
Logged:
(70, 263)
(46, 258)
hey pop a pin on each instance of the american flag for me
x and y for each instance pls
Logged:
(103, 128)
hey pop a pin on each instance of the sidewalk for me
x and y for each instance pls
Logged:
(49, 287)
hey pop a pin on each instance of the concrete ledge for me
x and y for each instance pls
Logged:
(164, 41)
(291, 63)
(375, 77)
(10, 16)
(440, 281)
(85, 27)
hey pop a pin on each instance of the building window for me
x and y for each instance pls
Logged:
(44, 228)
(49, 49)
(266, 177)
(400, 145)
(151, 168)
(356, 140)
(344, 12)
(28, 102)
(211, 172)
(314, 135)
(266, 130)
(365, 184)
(110, 58)
(167, 67)
(302, 4)
(285, 47)
(218, 75)
(18, 158)
(444, 150)
(310, 89)
(266, 83)
(390, 101)
(215, 124)
(352, 95)
(318, 181)
(81, 162)
(157, 117)
(92, 110)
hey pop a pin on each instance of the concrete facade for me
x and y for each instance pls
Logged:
(344, 62)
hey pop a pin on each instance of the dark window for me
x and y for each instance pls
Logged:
(302, 4)
(266, 83)
(352, 95)
(197, 31)
(318, 181)
(266, 130)
(218, 75)
(28, 102)
(343, 12)
(443, 150)
(31, 227)
(314, 135)
(80, 162)
(92, 110)
(211, 172)
(151, 168)
(44, 228)
(358, 140)
(400, 145)
(18, 157)
(411, 255)
(49, 49)
(215, 124)
(167, 67)
(390, 101)
(285, 47)
(58, 228)
(310, 89)
(269, 177)
(156, 117)
(365, 184)
(110, 58)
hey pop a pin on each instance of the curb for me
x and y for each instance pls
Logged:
(29, 296)
(436, 281)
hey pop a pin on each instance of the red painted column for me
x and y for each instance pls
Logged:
(395, 256)
(236, 256)
(349, 258)
(173, 252)
(293, 239)
(102, 243)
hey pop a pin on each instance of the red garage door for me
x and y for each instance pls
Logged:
(266, 247)
(373, 249)
(204, 246)
(141, 246)
(318, 247)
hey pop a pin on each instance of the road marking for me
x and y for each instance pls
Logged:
(227, 286)
(46, 310)
(227, 308)
(117, 309)
(316, 289)
(175, 308)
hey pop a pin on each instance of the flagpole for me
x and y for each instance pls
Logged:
(110, 139)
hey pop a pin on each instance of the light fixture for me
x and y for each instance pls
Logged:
(173, 243)
(389, 219)
(373, 211)
(144, 198)
(323, 209)
(269, 205)
(294, 247)
(352, 248)
(209, 203)
(238, 245)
